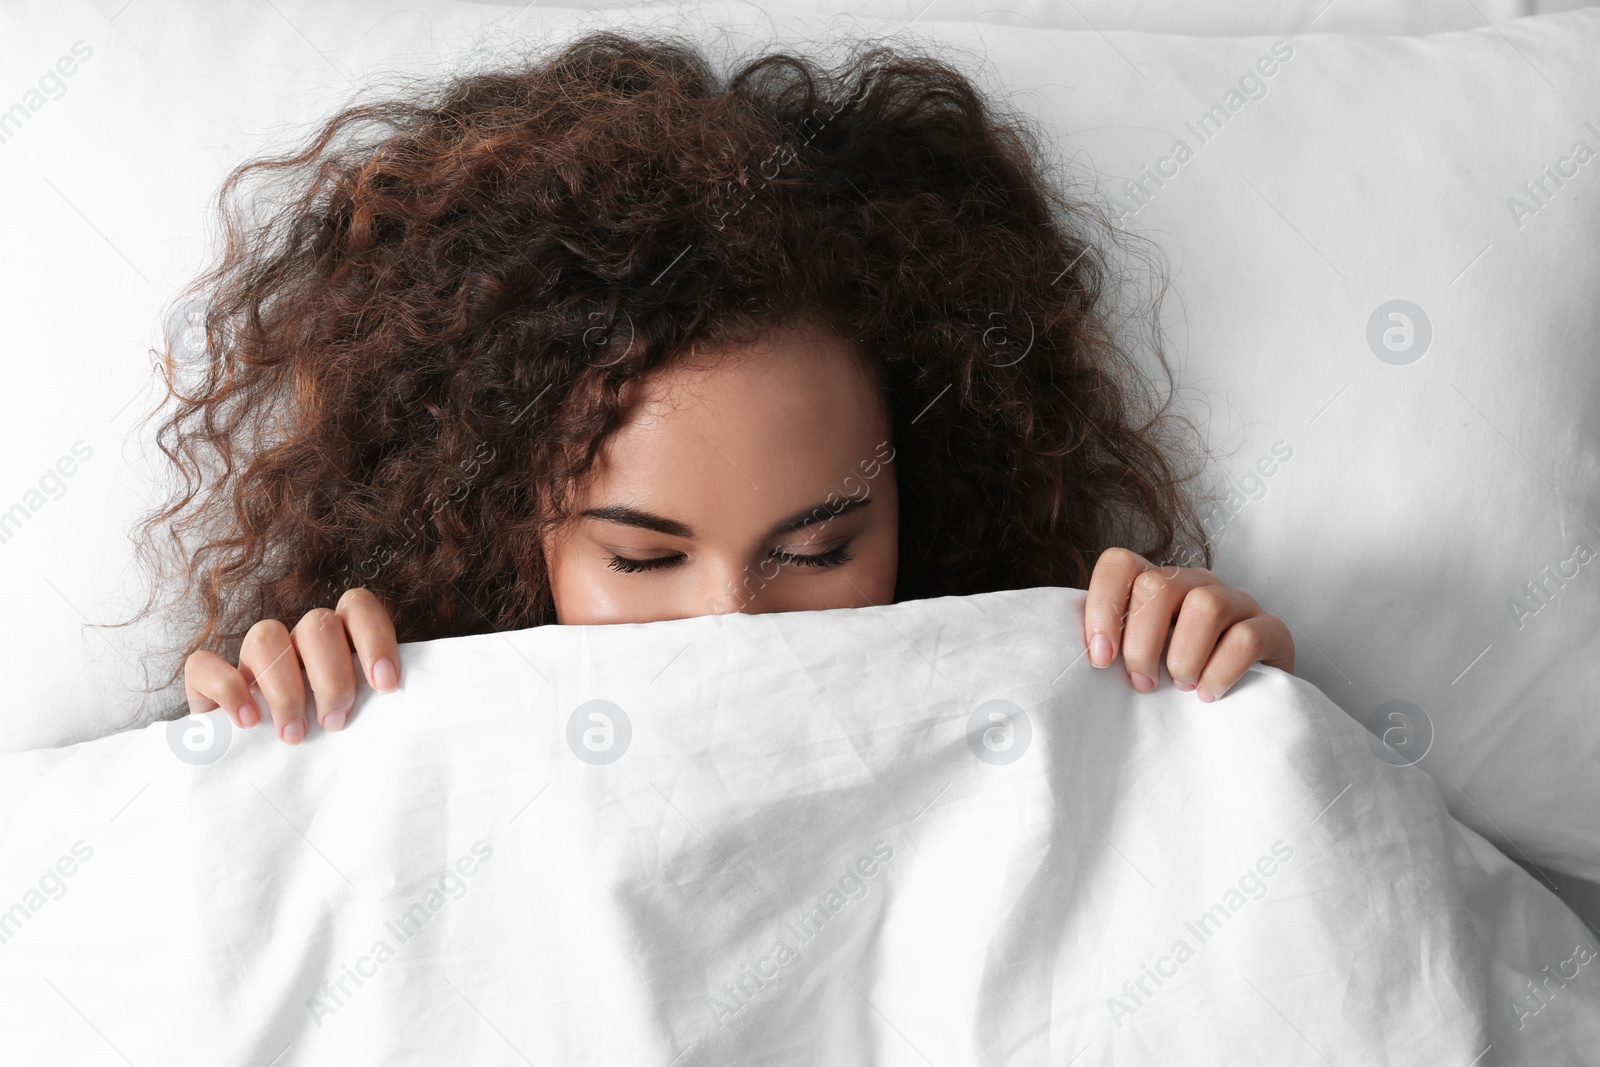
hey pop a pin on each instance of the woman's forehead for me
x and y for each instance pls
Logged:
(788, 378)
(788, 411)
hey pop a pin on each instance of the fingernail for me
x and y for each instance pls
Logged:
(1205, 696)
(384, 674)
(1183, 687)
(1100, 650)
(248, 715)
(293, 732)
(1141, 682)
(334, 721)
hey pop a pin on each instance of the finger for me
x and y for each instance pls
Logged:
(1264, 638)
(1109, 588)
(209, 681)
(1158, 596)
(371, 630)
(1205, 613)
(324, 650)
(267, 659)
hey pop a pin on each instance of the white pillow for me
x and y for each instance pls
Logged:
(1403, 511)
(1212, 18)
(1393, 506)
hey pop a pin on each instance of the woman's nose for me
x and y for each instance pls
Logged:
(730, 586)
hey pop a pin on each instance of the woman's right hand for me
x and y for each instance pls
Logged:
(272, 656)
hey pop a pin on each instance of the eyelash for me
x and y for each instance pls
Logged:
(831, 558)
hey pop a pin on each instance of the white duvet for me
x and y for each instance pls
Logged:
(924, 834)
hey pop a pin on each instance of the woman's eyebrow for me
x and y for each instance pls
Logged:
(624, 515)
(817, 513)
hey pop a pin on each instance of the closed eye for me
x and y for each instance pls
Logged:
(831, 558)
(634, 566)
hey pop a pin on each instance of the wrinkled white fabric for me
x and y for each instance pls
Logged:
(814, 842)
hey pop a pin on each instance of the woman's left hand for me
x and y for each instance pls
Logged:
(1217, 632)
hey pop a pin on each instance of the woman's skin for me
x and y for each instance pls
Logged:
(754, 485)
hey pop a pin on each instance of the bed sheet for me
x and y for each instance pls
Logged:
(927, 832)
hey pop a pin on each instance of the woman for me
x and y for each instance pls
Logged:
(607, 338)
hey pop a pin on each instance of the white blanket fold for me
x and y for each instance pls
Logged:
(929, 833)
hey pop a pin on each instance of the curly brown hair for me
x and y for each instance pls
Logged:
(415, 353)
